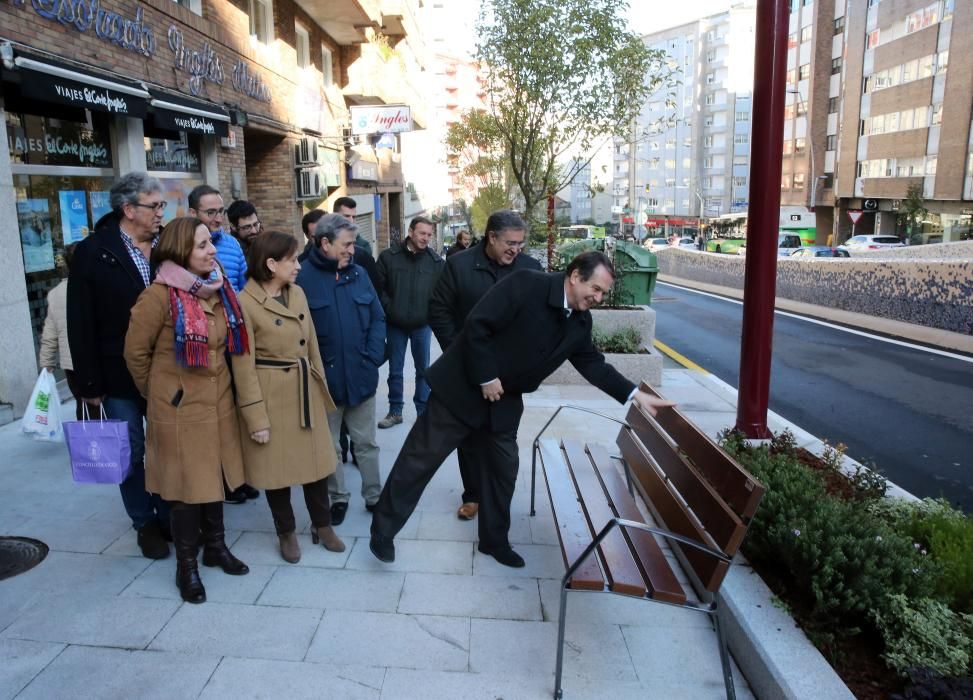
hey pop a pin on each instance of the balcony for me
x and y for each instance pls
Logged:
(345, 21)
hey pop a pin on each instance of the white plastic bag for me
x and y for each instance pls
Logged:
(42, 419)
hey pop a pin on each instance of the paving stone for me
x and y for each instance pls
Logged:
(263, 549)
(541, 561)
(383, 639)
(586, 608)
(247, 631)
(159, 581)
(262, 678)
(667, 655)
(375, 591)
(449, 685)
(101, 674)
(21, 660)
(358, 523)
(255, 515)
(543, 530)
(508, 598)
(79, 574)
(445, 526)
(590, 651)
(74, 535)
(129, 623)
(416, 555)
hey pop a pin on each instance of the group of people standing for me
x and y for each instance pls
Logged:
(239, 361)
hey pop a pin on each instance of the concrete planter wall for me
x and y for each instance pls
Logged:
(645, 366)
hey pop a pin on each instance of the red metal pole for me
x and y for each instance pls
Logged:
(766, 154)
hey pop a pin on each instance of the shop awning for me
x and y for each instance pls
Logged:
(179, 113)
(53, 81)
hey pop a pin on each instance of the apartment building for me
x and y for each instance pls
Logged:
(692, 158)
(888, 112)
(287, 103)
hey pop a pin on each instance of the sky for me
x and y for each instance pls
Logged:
(646, 16)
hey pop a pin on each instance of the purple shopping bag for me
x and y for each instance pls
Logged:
(99, 449)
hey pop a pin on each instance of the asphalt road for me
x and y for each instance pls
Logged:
(906, 410)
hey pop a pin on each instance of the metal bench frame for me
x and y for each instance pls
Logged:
(711, 608)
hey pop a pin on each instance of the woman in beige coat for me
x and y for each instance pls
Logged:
(283, 396)
(180, 328)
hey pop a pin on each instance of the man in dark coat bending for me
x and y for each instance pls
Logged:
(522, 330)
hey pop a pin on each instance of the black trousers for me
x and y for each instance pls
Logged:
(316, 498)
(435, 434)
(469, 470)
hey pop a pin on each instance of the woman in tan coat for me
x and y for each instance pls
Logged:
(283, 396)
(180, 328)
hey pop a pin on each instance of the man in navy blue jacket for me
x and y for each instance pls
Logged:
(350, 325)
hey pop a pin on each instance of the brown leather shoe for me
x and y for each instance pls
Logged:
(290, 550)
(468, 511)
(328, 537)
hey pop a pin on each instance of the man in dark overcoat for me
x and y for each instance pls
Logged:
(464, 281)
(519, 333)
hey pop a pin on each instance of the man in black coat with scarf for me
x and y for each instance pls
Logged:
(519, 333)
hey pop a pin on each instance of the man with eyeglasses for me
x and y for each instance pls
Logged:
(244, 223)
(206, 204)
(109, 271)
(467, 276)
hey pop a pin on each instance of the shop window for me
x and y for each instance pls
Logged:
(261, 21)
(77, 138)
(176, 159)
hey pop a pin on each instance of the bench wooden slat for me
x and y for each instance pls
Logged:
(572, 525)
(718, 519)
(672, 512)
(662, 582)
(622, 572)
(739, 488)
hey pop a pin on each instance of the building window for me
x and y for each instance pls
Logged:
(872, 40)
(195, 6)
(801, 107)
(839, 25)
(262, 21)
(799, 145)
(833, 104)
(710, 78)
(670, 143)
(831, 144)
(327, 67)
(739, 182)
(836, 65)
(741, 138)
(792, 76)
(710, 99)
(302, 46)
(806, 33)
(792, 41)
(799, 181)
(805, 71)
(743, 116)
(708, 162)
(708, 142)
(711, 56)
(788, 147)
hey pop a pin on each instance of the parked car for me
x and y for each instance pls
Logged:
(787, 243)
(859, 243)
(812, 252)
(655, 244)
(687, 243)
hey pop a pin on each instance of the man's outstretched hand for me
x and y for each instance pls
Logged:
(649, 402)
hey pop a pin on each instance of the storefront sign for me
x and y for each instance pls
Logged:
(57, 146)
(76, 93)
(374, 120)
(131, 34)
(249, 83)
(201, 65)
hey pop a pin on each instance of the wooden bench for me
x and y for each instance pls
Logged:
(701, 499)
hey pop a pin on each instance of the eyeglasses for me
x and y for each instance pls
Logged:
(158, 206)
(512, 244)
(213, 212)
(247, 228)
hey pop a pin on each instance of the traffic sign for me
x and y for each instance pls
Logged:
(855, 215)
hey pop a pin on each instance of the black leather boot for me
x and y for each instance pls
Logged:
(184, 521)
(215, 551)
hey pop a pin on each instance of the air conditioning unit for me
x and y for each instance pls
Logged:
(306, 151)
(309, 184)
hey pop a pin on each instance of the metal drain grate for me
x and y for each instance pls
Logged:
(20, 554)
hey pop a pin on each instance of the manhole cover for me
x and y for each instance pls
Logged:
(20, 554)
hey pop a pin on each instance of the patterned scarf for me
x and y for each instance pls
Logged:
(189, 319)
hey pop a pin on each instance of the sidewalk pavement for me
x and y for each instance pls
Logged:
(95, 619)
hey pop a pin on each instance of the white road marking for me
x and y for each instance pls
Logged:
(853, 331)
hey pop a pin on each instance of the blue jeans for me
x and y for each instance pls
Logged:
(142, 507)
(419, 339)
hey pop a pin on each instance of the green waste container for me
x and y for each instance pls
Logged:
(637, 268)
